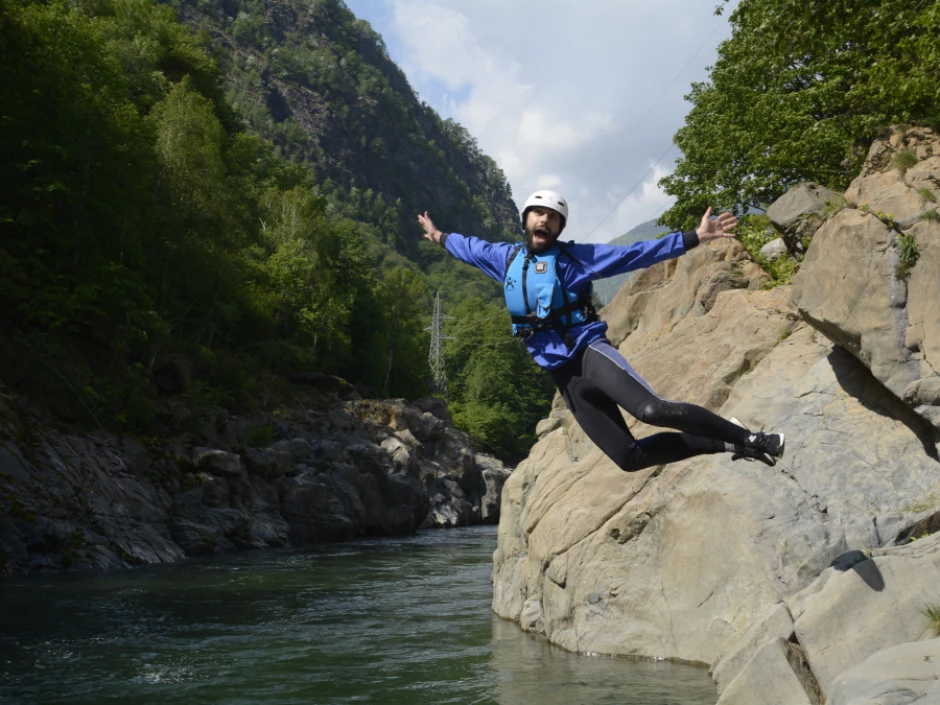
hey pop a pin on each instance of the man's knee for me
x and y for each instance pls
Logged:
(651, 411)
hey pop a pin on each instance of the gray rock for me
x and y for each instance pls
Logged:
(851, 289)
(901, 675)
(775, 624)
(404, 458)
(435, 406)
(798, 213)
(337, 471)
(195, 538)
(770, 674)
(266, 462)
(494, 475)
(871, 606)
(454, 455)
(218, 462)
(546, 426)
(684, 561)
(774, 250)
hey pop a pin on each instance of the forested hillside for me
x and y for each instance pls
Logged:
(319, 84)
(239, 191)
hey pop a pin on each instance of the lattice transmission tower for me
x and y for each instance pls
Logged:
(436, 354)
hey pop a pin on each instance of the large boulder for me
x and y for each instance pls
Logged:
(494, 475)
(852, 289)
(789, 581)
(902, 675)
(799, 212)
(874, 604)
(774, 250)
(857, 630)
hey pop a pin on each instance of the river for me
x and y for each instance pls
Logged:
(382, 621)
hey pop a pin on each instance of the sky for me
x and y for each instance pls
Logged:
(580, 97)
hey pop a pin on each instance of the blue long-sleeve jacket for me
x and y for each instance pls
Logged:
(588, 263)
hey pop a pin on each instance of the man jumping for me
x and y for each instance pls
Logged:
(548, 289)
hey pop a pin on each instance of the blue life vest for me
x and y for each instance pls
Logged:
(537, 298)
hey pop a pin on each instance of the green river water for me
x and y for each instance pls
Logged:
(384, 621)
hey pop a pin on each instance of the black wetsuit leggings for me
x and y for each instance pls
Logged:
(595, 383)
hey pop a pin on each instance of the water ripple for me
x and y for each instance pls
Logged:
(384, 621)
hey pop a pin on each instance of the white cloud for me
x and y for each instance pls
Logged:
(439, 45)
(579, 98)
(548, 181)
(646, 203)
(544, 131)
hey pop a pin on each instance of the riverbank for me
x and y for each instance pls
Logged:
(331, 468)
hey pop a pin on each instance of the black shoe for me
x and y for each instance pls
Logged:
(766, 447)
(749, 454)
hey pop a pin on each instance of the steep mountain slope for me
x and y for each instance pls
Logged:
(319, 83)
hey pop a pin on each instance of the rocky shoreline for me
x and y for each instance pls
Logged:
(338, 468)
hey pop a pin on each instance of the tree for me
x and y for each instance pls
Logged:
(797, 94)
(498, 393)
(404, 298)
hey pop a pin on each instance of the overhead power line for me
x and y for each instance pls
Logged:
(639, 122)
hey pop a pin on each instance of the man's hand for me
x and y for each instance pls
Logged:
(430, 230)
(721, 226)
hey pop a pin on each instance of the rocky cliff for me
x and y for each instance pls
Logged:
(800, 583)
(336, 468)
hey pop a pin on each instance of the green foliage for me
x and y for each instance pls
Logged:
(142, 215)
(797, 94)
(927, 195)
(755, 231)
(903, 159)
(259, 436)
(404, 297)
(931, 215)
(931, 612)
(908, 254)
(137, 218)
(498, 394)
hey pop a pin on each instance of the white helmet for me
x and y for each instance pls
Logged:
(547, 199)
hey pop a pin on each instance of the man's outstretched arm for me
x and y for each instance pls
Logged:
(602, 261)
(490, 257)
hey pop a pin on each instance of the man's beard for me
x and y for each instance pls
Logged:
(537, 247)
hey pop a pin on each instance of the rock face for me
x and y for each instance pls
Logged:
(852, 288)
(782, 579)
(334, 471)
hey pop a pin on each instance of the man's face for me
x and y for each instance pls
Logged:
(542, 228)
